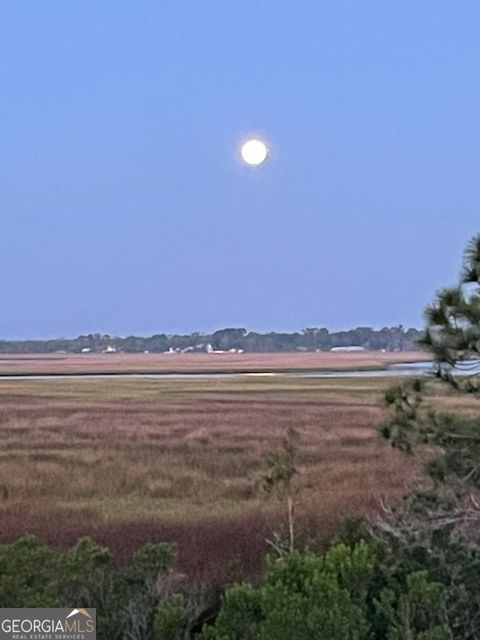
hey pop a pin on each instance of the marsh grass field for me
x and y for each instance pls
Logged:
(131, 460)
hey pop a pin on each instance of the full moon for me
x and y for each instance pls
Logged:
(254, 152)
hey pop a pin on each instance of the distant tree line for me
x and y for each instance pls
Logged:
(311, 339)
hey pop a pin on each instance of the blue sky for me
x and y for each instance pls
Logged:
(124, 206)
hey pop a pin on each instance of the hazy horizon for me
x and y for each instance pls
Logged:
(125, 207)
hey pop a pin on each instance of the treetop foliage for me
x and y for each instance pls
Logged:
(452, 335)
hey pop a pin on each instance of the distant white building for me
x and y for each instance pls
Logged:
(85, 350)
(210, 349)
(351, 348)
(110, 349)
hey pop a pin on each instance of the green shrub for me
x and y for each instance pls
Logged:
(151, 560)
(28, 572)
(418, 613)
(304, 595)
(171, 618)
(32, 575)
(345, 594)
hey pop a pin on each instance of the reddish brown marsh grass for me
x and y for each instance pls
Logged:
(128, 460)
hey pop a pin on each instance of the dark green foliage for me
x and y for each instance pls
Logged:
(412, 613)
(172, 618)
(28, 573)
(303, 596)
(452, 333)
(126, 599)
(413, 423)
(453, 336)
(84, 573)
(151, 560)
(344, 594)
(405, 429)
(422, 536)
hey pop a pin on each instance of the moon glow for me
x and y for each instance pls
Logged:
(254, 152)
